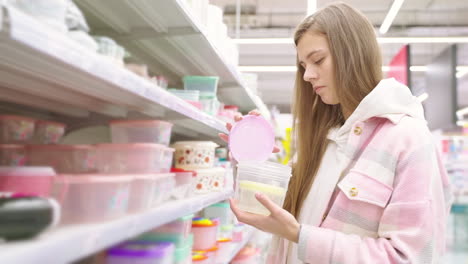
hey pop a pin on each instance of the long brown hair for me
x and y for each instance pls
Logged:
(357, 65)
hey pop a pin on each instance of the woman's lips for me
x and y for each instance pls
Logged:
(317, 88)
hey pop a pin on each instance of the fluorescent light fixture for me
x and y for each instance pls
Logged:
(311, 6)
(423, 97)
(390, 16)
(418, 68)
(392, 40)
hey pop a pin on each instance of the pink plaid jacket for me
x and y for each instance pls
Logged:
(392, 204)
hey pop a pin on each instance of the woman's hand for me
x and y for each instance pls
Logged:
(238, 118)
(280, 222)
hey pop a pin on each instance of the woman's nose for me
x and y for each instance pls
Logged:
(310, 74)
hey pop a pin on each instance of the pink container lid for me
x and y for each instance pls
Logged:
(94, 178)
(11, 146)
(61, 146)
(47, 122)
(141, 122)
(15, 117)
(27, 171)
(252, 139)
(132, 145)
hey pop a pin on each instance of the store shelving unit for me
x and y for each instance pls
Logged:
(171, 40)
(70, 243)
(239, 245)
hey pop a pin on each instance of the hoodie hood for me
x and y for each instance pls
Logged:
(389, 99)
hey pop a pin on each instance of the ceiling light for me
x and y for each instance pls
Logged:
(423, 97)
(390, 16)
(391, 40)
(418, 68)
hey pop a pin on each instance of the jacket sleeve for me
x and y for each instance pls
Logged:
(412, 226)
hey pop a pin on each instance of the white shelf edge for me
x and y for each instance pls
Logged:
(70, 243)
(240, 245)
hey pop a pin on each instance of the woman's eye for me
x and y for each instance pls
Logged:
(319, 61)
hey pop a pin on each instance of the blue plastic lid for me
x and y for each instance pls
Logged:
(141, 249)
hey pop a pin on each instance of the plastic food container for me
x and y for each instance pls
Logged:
(142, 192)
(48, 132)
(177, 239)
(210, 103)
(201, 259)
(50, 12)
(64, 158)
(247, 255)
(238, 232)
(204, 234)
(184, 181)
(12, 155)
(210, 253)
(225, 247)
(201, 83)
(16, 129)
(226, 231)
(219, 210)
(165, 183)
(141, 131)
(183, 255)
(209, 180)
(192, 155)
(182, 226)
(186, 94)
(130, 158)
(27, 180)
(168, 156)
(141, 253)
(92, 198)
(268, 178)
(110, 50)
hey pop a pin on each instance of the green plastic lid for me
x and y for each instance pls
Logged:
(224, 205)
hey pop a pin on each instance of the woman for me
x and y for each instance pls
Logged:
(368, 185)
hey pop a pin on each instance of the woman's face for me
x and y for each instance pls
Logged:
(314, 56)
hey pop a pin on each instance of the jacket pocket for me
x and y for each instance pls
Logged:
(360, 187)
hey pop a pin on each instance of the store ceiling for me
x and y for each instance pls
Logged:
(278, 19)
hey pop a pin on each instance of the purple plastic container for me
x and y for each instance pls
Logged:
(139, 252)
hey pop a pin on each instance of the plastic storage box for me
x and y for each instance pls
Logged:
(13, 155)
(142, 192)
(168, 156)
(177, 239)
(184, 182)
(131, 158)
(165, 183)
(192, 155)
(201, 83)
(268, 178)
(27, 180)
(16, 129)
(64, 158)
(225, 247)
(204, 234)
(182, 226)
(141, 253)
(141, 131)
(187, 95)
(219, 210)
(206, 179)
(48, 132)
(92, 198)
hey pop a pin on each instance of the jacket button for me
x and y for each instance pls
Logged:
(358, 130)
(353, 192)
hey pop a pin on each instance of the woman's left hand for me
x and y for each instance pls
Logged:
(280, 222)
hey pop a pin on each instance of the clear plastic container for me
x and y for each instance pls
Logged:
(210, 103)
(268, 178)
(16, 129)
(141, 253)
(184, 181)
(167, 160)
(238, 232)
(201, 83)
(177, 239)
(13, 155)
(182, 226)
(92, 198)
(205, 180)
(226, 231)
(64, 158)
(192, 155)
(50, 12)
(225, 247)
(183, 255)
(48, 132)
(141, 131)
(186, 94)
(204, 235)
(142, 192)
(27, 180)
(219, 210)
(165, 183)
(130, 158)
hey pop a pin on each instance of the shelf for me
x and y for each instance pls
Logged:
(166, 36)
(67, 244)
(239, 245)
(43, 68)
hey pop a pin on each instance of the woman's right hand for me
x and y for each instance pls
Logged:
(238, 118)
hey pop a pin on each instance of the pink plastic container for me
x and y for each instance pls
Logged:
(13, 155)
(16, 129)
(167, 159)
(142, 192)
(193, 155)
(204, 236)
(184, 182)
(165, 183)
(141, 131)
(64, 158)
(48, 132)
(27, 180)
(92, 197)
(181, 226)
(130, 158)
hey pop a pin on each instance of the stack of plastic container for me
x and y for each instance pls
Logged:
(222, 211)
(207, 87)
(205, 233)
(199, 156)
